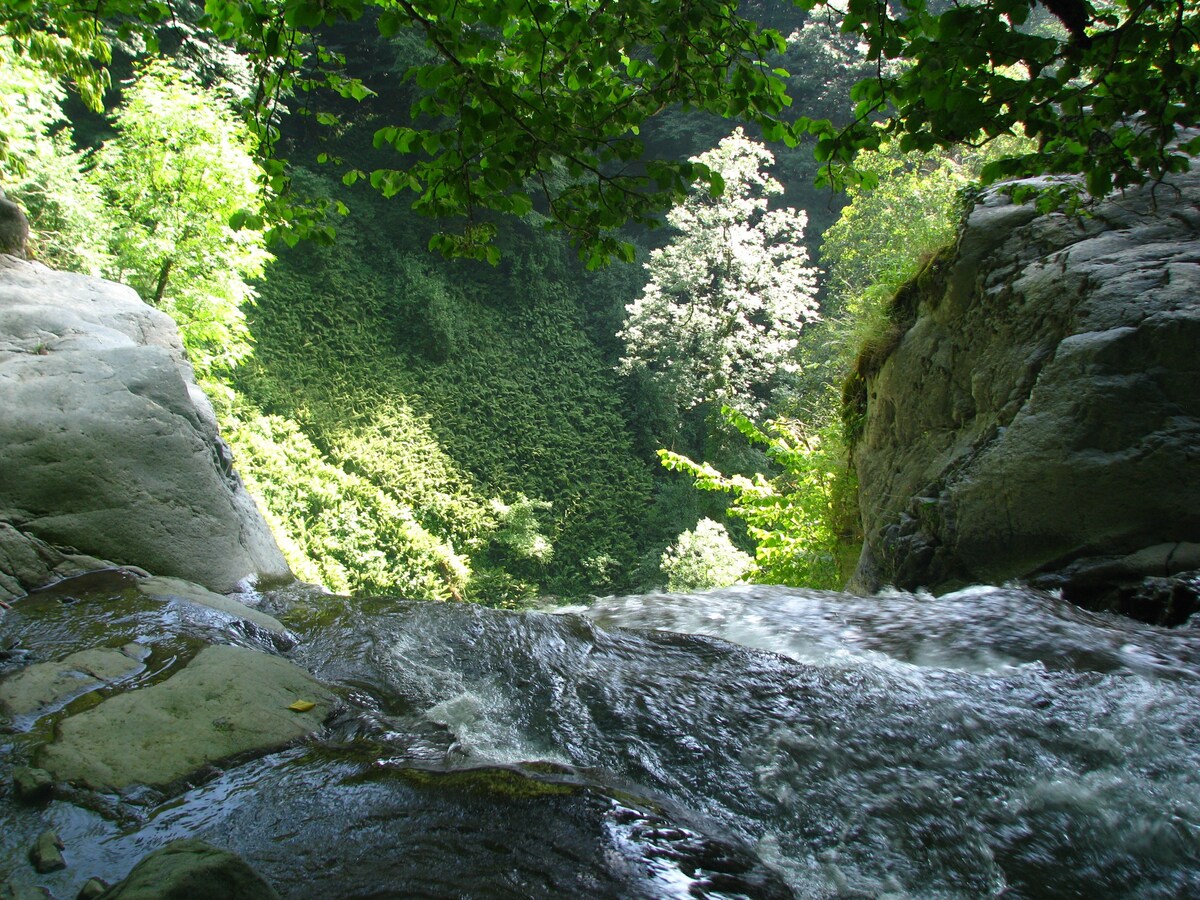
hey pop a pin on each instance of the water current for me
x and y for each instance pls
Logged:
(754, 742)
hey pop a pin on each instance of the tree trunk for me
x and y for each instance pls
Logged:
(164, 275)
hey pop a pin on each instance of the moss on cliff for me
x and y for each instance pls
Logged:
(880, 342)
(900, 312)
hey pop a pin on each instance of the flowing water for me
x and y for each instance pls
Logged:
(755, 742)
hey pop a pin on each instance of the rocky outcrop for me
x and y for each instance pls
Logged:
(27, 561)
(1040, 420)
(108, 449)
(14, 228)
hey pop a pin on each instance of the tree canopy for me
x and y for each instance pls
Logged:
(539, 104)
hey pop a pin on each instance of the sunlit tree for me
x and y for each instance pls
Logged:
(726, 299)
(704, 558)
(802, 518)
(179, 169)
(42, 172)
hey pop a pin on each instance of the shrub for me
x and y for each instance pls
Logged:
(704, 557)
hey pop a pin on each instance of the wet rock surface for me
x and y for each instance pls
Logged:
(225, 702)
(235, 745)
(164, 588)
(46, 853)
(31, 784)
(10, 891)
(43, 686)
(989, 743)
(189, 869)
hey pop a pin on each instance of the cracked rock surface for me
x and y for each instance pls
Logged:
(1040, 421)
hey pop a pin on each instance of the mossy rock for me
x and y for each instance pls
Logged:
(492, 781)
(187, 869)
(228, 702)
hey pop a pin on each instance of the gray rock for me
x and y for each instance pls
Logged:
(1044, 409)
(14, 229)
(27, 562)
(30, 783)
(92, 889)
(191, 869)
(46, 853)
(228, 701)
(109, 449)
(45, 687)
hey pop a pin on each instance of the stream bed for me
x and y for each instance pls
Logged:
(750, 742)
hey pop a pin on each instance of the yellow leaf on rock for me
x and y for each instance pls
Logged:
(302, 705)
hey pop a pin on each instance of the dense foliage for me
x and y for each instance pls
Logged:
(543, 104)
(802, 519)
(437, 432)
(887, 233)
(178, 171)
(150, 207)
(1102, 96)
(42, 170)
(338, 528)
(459, 432)
(471, 397)
(801, 516)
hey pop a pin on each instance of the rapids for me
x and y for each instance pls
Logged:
(755, 742)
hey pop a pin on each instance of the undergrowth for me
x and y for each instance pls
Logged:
(462, 412)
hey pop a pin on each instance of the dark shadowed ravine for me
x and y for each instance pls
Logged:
(752, 742)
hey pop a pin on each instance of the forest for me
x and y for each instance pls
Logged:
(503, 302)
(724, 448)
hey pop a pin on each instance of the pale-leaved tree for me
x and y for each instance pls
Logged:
(728, 296)
(704, 558)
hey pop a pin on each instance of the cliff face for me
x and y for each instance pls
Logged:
(108, 450)
(1041, 419)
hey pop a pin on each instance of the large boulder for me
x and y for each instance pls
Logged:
(1040, 420)
(108, 449)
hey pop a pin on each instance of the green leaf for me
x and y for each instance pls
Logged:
(390, 23)
(521, 204)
